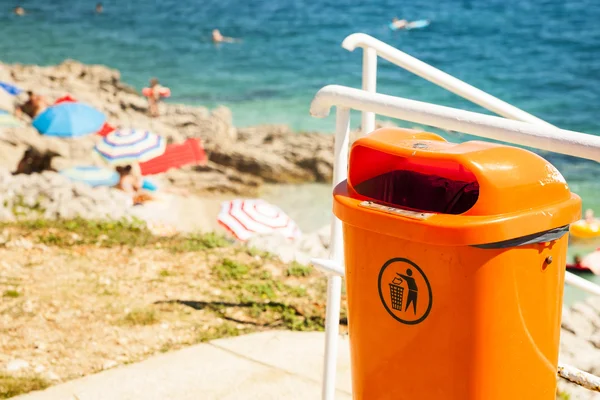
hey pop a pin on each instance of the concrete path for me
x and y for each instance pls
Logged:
(269, 365)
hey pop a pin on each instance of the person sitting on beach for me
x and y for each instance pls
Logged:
(34, 105)
(20, 11)
(399, 23)
(154, 97)
(218, 38)
(35, 161)
(99, 8)
(131, 184)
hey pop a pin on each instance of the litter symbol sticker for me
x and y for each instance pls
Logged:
(405, 291)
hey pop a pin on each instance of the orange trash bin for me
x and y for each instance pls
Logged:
(455, 258)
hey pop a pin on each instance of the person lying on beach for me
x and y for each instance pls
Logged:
(399, 23)
(218, 38)
(154, 97)
(34, 105)
(20, 11)
(132, 184)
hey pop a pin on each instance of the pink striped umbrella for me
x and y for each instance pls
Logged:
(246, 218)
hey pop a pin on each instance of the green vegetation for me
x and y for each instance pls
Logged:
(297, 269)
(562, 395)
(11, 293)
(229, 269)
(11, 386)
(163, 273)
(132, 233)
(226, 329)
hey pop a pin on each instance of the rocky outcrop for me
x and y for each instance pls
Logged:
(51, 196)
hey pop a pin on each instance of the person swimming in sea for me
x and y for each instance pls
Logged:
(399, 23)
(20, 11)
(99, 8)
(217, 37)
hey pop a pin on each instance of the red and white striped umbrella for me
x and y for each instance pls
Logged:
(246, 218)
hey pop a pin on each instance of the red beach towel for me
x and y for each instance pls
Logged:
(65, 99)
(189, 152)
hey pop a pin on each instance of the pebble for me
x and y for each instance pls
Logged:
(41, 346)
(52, 376)
(109, 364)
(16, 365)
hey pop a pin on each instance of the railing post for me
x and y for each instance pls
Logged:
(369, 84)
(334, 282)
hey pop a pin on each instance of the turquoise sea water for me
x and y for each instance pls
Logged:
(540, 55)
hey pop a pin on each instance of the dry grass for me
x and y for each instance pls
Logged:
(76, 302)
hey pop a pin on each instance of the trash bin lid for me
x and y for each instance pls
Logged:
(417, 185)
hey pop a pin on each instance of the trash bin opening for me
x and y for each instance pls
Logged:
(428, 185)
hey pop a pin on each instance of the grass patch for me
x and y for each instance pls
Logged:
(132, 233)
(198, 243)
(141, 316)
(264, 290)
(224, 330)
(560, 395)
(297, 269)
(165, 273)
(11, 386)
(229, 269)
(13, 294)
(296, 291)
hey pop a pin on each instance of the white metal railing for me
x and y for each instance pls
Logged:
(374, 47)
(545, 136)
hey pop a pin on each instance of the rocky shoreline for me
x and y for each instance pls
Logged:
(240, 159)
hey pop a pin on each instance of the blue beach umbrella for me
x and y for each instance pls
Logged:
(10, 88)
(69, 120)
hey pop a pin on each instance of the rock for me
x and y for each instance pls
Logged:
(16, 365)
(300, 250)
(50, 375)
(20, 243)
(109, 364)
(255, 161)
